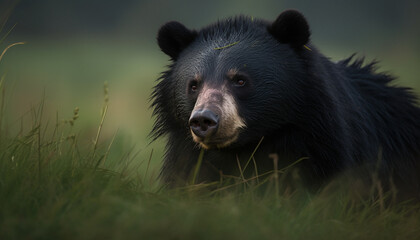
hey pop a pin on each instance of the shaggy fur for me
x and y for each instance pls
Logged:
(339, 116)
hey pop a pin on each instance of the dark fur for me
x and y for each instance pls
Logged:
(341, 115)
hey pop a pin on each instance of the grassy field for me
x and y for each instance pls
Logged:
(75, 162)
(54, 187)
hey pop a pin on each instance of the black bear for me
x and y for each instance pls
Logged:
(243, 82)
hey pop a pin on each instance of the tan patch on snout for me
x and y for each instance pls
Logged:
(230, 123)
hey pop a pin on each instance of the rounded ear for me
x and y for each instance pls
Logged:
(291, 28)
(173, 37)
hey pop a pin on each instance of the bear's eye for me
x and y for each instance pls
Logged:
(194, 86)
(239, 82)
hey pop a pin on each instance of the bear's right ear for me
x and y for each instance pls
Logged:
(291, 28)
(173, 37)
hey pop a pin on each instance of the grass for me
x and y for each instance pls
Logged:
(68, 179)
(51, 188)
(54, 187)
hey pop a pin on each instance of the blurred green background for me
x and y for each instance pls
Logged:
(73, 47)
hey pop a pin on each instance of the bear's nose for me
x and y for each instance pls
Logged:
(204, 123)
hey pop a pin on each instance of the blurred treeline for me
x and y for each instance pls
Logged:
(357, 21)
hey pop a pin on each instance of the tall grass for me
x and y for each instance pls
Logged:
(54, 184)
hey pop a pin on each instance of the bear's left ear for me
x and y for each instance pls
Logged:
(291, 28)
(173, 37)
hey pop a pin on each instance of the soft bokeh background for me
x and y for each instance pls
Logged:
(73, 47)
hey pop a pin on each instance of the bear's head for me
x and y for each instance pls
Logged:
(231, 82)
